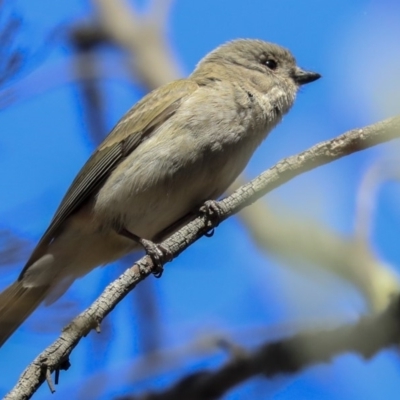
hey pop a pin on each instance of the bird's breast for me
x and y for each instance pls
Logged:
(194, 156)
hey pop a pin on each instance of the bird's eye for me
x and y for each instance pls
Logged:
(271, 63)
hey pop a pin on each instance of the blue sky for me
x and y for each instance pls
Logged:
(223, 285)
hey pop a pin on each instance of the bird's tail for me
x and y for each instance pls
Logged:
(16, 304)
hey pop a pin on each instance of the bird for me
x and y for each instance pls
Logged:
(181, 145)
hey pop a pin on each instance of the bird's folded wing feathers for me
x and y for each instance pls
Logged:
(137, 125)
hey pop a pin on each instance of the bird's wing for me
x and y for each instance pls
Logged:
(135, 127)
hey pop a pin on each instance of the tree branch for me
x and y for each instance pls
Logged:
(305, 244)
(291, 355)
(56, 355)
(143, 36)
(290, 236)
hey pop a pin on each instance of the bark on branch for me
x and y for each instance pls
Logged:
(55, 357)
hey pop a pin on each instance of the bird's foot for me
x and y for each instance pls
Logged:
(212, 211)
(158, 254)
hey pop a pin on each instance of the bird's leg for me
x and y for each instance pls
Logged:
(212, 210)
(157, 252)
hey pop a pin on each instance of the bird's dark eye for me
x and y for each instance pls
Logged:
(271, 63)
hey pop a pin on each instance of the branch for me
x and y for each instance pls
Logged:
(366, 337)
(300, 241)
(12, 57)
(290, 238)
(55, 357)
(143, 36)
(93, 102)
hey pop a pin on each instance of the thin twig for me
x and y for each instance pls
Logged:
(49, 380)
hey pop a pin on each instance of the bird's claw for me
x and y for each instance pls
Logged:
(210, 233)
(159, 255)
(212, 211)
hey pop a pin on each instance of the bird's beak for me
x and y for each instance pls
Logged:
(302, 77)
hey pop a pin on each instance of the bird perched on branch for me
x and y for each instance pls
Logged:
(181, 145)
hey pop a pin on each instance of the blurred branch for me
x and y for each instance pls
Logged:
(296, 239)
(87, 37)
(143, 36)
(11, 57)
(365, 202)
(379, 173)
(55, 357)
(94, 109)
(150, 329)
(366, 337)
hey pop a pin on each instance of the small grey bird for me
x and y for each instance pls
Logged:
(181, 145)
